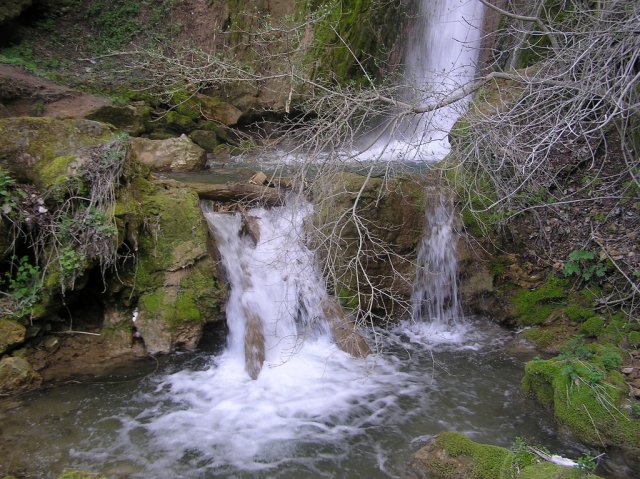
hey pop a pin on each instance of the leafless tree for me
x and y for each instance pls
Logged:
(526, 132)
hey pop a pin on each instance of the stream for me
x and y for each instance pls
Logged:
(319, 414)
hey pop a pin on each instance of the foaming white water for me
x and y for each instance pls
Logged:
(273, 278)
(440, 57)
(319, 395)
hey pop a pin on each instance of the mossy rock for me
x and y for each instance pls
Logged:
(17, 375)
(394, 212)
(205, 139)
(593, 326)
(534, 307)
(11, 333)
(80, 474)
(585, 397)
(454, 456)
(47, 151)
(133, 119)
(174, 278)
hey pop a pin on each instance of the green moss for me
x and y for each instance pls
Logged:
(633, 338)
(362, 28)
(577, 313)
(453, 455)
(179, 121)
(78, 474)
(587, 405)
(543, 337)
(535, 306)
(547, 470)
(592, 327)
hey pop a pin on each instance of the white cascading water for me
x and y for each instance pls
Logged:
(436, 312)
(440, 56)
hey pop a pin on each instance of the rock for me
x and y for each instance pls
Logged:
(207, 140)
(394, 212)
(175, 280)
(17, 375)
(344, 331)
(215, 109)
(51, 343)
(133, 119)
(254, 347)
(453, 456)
(250, 228)
(258, 179)
(11, 334)
(174, 154)
(80, 474)
(627, 370)
(47, 151)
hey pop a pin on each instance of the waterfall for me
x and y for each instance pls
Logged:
(440, 56)
(435, 289)
(436, 313)
(277, 295)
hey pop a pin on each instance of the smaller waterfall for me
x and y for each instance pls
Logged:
(434, 300)
(278, 297)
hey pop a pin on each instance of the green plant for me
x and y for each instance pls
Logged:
(584, 264)
(634, 339)
(587, 462)
(7, 183)
(23, 285)
(635, 410)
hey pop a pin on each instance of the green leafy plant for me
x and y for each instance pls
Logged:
(23, 285)
(584, 264)
(587, 462)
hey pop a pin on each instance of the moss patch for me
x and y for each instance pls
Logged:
(586, 396)
(533, 307)
(453, 455)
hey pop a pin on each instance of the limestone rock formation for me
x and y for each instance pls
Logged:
(173, 154)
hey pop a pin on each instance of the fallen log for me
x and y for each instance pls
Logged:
(228, 192)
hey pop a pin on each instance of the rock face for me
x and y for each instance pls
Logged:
(393, 212)
(175, 279)
(17, 375)
(11, 334)
(173, 154)
(133, 119)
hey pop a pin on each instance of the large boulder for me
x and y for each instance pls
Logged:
(215, 109)
(174, 279)
(17, 375)
(173, 154)
(11, 334)
(48, 151)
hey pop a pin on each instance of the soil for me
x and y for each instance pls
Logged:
(24, 94)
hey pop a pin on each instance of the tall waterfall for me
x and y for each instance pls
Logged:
(440, 56)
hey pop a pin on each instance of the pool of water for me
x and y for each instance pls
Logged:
(319, 414)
